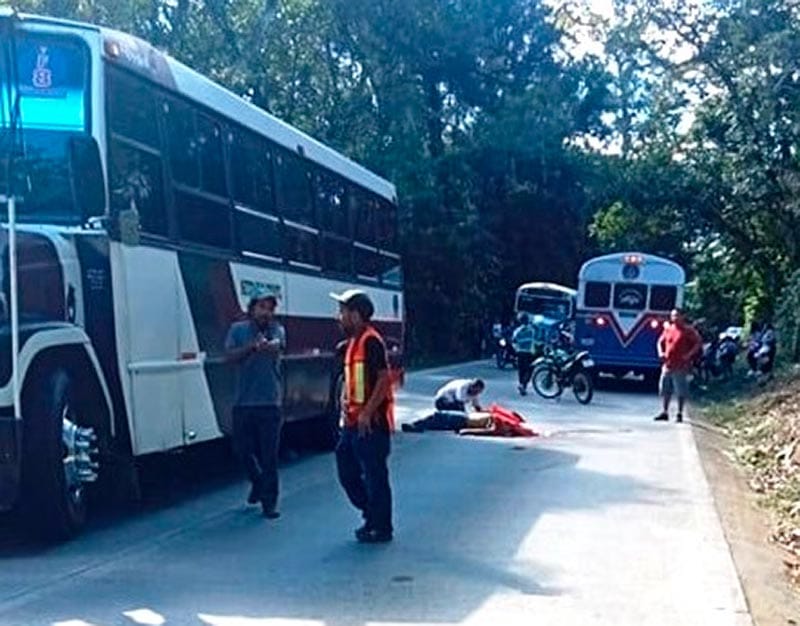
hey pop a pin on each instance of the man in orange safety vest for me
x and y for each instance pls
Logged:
(367, 412)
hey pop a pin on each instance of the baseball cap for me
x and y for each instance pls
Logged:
(356, 299)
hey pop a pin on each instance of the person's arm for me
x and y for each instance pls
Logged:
(376, 360)
(277, 344)
(476, 404)
(234, 352)
(661, 346)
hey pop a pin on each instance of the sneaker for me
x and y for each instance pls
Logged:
(679, 418)
(661, 417)
(410, 428)
(362, 532)
(522, 390)
(374, 536)
(270, 512)
(252, 497)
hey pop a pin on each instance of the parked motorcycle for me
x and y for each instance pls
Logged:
(504, 353)
(559, 369)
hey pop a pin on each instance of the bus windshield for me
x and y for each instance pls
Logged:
(43, 103)
(557, 309)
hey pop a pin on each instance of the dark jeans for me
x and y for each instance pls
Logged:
(257, 435)
(449, 405)
(442, 420)
(363, 472)
(525, 367)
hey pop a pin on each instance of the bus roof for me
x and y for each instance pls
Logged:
(198, 87)
(609, 268)
(548, 286)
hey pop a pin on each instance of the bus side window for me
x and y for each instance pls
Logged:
(294, 188)
(183, 143)
(387, 225)
(135, 162)
(364, 207)
(251, 171)
(331, 204)
(131, 107)
(212, 161)
(368, 263)
(302, 246)
(137, 175)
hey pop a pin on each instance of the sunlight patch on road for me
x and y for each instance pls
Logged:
(146, 617)
(73, 622)
(237, 620)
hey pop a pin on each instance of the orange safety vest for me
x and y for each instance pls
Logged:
(355, 379)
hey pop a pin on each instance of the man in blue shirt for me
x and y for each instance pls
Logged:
(255, 346)
(524, 342)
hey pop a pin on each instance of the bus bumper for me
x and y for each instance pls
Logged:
(10, 460)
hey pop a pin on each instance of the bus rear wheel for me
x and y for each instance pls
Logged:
(59, 456)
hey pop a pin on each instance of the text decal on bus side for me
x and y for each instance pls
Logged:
(254, 288)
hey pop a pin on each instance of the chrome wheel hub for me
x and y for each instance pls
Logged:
(80, 451)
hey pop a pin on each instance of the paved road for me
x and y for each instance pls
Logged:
(607, 519)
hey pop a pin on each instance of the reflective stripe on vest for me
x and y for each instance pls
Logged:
(356, 380)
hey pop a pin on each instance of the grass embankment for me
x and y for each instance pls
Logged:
(763, 423)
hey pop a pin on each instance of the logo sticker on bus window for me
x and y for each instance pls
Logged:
(42, 75)
(254, 288)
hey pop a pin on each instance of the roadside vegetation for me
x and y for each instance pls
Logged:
(763, 423)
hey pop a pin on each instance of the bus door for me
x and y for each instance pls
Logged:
(150, 285)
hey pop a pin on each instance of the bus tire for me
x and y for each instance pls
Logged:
(55, 500)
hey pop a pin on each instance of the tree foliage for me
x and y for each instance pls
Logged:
(488, 116)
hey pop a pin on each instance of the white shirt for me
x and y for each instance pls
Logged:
(457, 391)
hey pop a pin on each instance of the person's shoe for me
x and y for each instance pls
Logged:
(270, 512)
(363, 532)
(522, 390)
(661, 417)
(679, 418)
(374, 536)
(252, 497)
(410, 428)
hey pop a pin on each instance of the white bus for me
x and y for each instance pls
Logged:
(152, 204)
(623, 301)
(548, 300)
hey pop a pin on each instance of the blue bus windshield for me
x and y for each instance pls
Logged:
(43, 103)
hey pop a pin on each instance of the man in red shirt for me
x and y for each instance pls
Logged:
(678, 347)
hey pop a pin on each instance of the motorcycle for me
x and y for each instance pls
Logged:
(504, 353)
(559, 369)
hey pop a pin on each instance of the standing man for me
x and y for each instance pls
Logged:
(368, 413)
(678, 347)
(255, 346)
(524, 343)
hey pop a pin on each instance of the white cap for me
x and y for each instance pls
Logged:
(348, 295)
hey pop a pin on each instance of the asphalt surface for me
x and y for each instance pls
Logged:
(605, 519)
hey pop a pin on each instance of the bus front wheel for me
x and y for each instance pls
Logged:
(59, 456)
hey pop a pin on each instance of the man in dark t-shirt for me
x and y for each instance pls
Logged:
(255, 346)
(367, 412)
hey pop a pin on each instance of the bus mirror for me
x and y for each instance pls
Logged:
(86, 171)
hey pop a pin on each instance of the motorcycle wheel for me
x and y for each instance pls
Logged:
(546, 383)
(582, 387)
